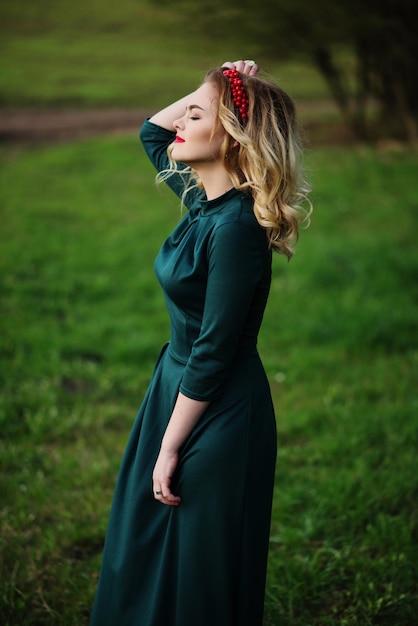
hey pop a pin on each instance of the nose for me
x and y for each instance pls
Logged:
(178, 123)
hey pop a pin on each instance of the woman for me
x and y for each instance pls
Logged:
(188, 534)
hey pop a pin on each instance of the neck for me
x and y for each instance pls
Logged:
(216, 181)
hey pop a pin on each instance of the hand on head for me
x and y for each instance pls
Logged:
(243, 67)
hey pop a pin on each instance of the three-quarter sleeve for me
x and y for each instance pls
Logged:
(156, 140)
(237, 261)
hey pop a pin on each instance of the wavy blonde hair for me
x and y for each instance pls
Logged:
(262, 158)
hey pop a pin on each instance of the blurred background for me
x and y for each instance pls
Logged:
(350, 65)
(82, 318)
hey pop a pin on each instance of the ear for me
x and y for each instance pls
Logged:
(235, 144)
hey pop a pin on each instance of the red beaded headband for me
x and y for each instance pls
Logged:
(239, 95)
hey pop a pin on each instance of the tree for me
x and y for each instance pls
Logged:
(380, 36)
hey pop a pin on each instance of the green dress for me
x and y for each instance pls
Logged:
(202, 563)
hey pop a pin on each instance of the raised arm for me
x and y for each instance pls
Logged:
(166, 117)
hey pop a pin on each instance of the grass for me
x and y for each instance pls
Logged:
(130, 54)
(82, 321)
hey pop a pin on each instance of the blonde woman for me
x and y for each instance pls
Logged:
(188, 535)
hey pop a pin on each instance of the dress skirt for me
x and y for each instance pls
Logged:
(202, 563)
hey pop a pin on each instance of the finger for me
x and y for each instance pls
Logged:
(228, 64)
(251, 68)
(169, 498)
(163, 494)
(167, 493)
(239, 66)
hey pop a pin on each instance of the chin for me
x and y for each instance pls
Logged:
(178, 159)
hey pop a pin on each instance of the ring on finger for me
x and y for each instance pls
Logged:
(250, 63)
(158, 493)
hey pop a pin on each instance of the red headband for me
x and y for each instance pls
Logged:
(239, 95)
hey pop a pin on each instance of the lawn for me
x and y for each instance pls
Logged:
(83, 319)
(132, 54)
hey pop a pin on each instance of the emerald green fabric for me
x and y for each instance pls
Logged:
(202, 563)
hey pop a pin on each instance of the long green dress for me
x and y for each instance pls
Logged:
(202, 563)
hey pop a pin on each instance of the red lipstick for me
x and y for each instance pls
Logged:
(178, 139)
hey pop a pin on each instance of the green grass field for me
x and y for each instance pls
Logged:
(133, 53)
(82, 321)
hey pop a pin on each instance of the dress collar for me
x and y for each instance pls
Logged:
(208, 207)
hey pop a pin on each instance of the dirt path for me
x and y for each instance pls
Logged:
(62, 125)
(55, 125)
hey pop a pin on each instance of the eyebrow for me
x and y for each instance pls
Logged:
(194, 106)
